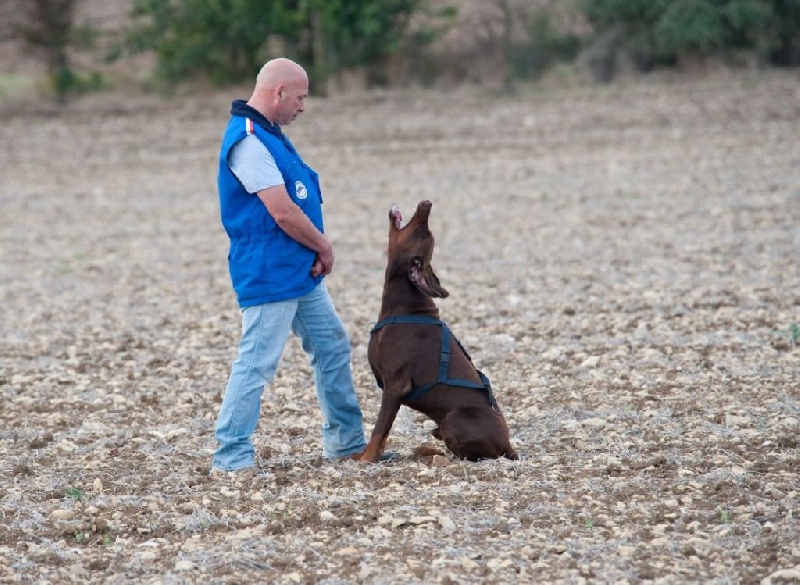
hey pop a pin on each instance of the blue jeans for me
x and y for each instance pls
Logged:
(265, 330)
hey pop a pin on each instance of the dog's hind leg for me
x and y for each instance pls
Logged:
(476, 433)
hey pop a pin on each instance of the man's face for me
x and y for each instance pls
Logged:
(291, 101)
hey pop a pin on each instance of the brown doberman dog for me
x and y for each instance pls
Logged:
(419, 363)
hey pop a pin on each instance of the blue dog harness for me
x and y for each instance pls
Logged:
(444, 360)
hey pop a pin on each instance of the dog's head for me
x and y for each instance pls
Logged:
(411, 249)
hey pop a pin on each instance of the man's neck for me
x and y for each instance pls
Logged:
(259, 107)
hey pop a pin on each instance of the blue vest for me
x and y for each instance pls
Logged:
(265, 264)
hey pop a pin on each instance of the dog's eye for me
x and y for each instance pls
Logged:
(417, 262)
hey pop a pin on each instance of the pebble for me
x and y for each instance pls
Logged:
(66, 446)
(440, 461)
(63, 514)
(594, 423)
(732, 420)
(785, 575)
(553, 354)
(348, 550)
(591, 362)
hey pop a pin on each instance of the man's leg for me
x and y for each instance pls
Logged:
(327, 344)
(265, 329)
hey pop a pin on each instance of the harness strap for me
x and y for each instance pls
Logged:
(444, 358)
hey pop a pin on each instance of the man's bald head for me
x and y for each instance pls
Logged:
(277, 71)
(280, 91)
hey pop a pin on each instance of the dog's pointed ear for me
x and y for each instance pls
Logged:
(425, 279)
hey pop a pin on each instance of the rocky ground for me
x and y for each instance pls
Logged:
(622, 263)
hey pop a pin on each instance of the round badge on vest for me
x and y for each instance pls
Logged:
(300, 190)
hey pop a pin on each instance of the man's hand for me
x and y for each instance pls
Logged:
(323, 264)
(296, 224)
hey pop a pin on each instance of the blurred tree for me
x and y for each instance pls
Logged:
(785, 32)
(47, 26)
(228, 40)
(544, 44)
(624, 23)
(220, 39)
(713, 26)
(8, 11)
(357, 34)
(659, 32)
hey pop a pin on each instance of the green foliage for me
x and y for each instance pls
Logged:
(228, 40)
(361, 33)
(544, 47)
(785, 46)
(794, 334)
(48, 28)
(431, 23)
(220, 39)
(689, 26)
(74, 493)
(365, 31)
(662, 31)
(724, 515)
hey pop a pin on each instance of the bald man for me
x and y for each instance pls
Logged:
(271, 208)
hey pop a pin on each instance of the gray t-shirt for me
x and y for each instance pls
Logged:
(253, 165)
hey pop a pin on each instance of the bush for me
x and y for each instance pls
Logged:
(784, 49)
(228, 40)
(659, 32)
(48, 29)
(218, 39)
(543, 47)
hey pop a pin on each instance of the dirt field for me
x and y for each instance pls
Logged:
(622, 263)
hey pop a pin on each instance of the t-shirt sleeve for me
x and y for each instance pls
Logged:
(253, 165)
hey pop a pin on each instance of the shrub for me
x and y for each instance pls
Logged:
(228, 40)
(48, 29)
(658, 32)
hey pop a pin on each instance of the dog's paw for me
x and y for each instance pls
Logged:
(427, 450)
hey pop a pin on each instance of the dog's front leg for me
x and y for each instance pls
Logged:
(390, 404)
